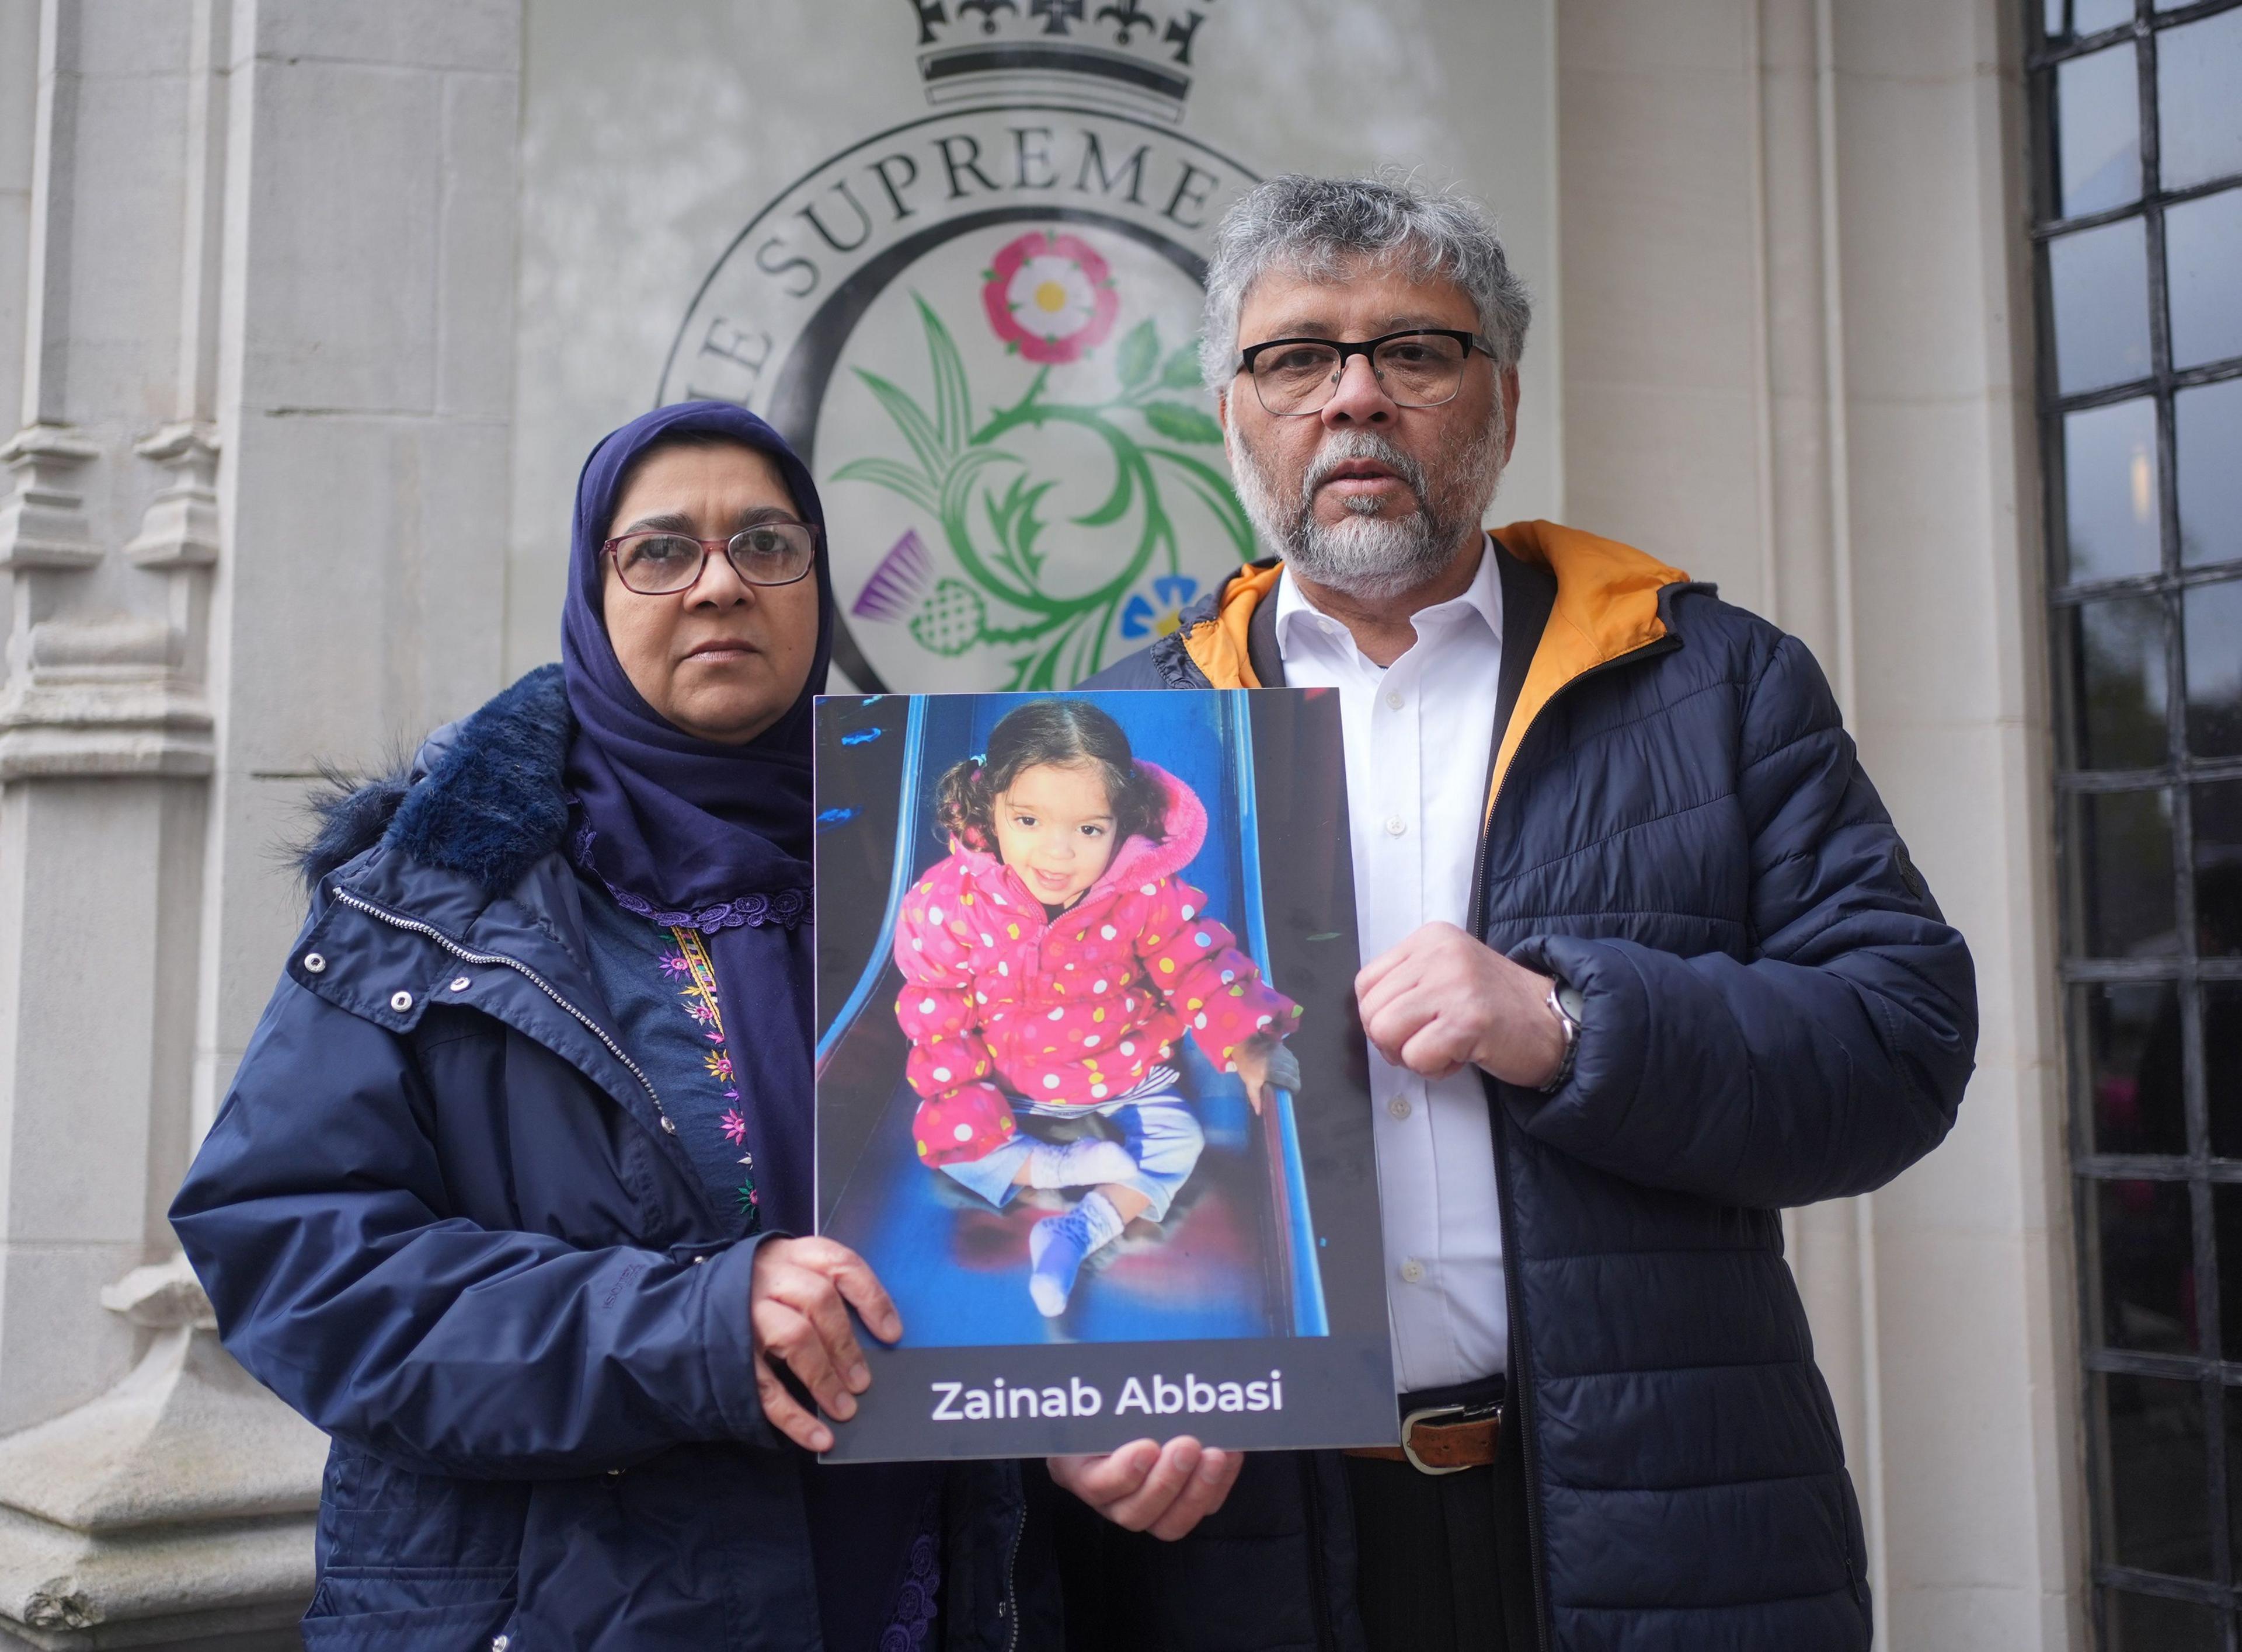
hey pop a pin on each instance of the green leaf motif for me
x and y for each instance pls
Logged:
(926, 445)
(998, 603)
(1140, 353)
(1179, 423)
(1017, 526)
(950, 620)
(895, 477)
(953, 403)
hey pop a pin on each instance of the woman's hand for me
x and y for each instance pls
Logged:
(798, 1303)
(1147, 1487)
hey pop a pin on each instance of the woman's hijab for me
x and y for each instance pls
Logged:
(688, 832)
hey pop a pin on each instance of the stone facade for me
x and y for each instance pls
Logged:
(255, 289)
(258, 321)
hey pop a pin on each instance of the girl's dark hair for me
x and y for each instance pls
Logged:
(1064, 733)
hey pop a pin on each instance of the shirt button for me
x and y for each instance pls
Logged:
(1394, 701)
(1395, 825)
(1412, 1270)
(1399, 1106)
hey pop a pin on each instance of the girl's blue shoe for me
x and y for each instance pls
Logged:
(1058, 1246)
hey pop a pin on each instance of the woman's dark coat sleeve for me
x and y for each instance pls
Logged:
(1821, 1065)
(317, 1217)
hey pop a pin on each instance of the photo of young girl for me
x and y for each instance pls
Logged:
(1092, 1100)
(1050, 963)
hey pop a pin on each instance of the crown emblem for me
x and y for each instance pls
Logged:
(1133, 55)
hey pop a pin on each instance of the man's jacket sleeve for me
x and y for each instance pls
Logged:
(316, 1218)
(1823, 1064)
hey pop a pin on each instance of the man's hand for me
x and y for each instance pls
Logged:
(1441, 999)
(1147, 1487)
(797, 1306)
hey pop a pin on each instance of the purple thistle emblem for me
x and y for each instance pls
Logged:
(897, 583)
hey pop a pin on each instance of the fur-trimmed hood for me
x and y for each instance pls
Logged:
(485, 798)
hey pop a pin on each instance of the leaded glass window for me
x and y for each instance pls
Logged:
(2138, 226)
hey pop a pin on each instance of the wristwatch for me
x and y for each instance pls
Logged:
(1566, 1003)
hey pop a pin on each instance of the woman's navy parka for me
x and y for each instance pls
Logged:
(440, 1216)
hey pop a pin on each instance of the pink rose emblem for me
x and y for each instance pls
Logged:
(1050, 297)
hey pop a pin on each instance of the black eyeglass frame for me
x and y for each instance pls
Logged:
(1367, 348)
(709, 547)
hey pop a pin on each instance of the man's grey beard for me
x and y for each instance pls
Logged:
(1372, 556)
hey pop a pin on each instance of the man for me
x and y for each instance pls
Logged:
(1647, 962)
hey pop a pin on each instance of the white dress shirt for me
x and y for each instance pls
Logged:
(1418, 736)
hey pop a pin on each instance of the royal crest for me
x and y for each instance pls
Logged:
(979, 329)
(1125, 54)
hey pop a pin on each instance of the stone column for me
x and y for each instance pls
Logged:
(252, 520)
(1973, 1302)
(1797, 362)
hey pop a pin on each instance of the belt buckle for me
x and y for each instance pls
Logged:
(1432, 1414)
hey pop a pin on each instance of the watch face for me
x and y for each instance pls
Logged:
(1571, 1001)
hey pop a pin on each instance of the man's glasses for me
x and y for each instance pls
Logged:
(1423, 367)
(657, 563)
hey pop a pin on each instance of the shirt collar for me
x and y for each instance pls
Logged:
(1299, 624)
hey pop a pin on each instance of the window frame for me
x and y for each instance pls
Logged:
(2216, 1377)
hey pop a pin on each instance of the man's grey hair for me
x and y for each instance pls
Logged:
(1317, 227)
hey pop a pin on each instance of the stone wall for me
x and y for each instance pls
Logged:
(256, 298)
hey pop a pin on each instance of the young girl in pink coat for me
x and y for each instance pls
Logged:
(1051, 963)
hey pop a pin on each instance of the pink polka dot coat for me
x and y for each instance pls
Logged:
(1070, 1012)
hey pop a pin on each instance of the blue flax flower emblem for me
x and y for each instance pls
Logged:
(1163, 611)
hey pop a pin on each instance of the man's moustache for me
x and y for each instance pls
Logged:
(1354, 448)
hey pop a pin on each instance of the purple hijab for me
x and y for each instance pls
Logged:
(690, 833)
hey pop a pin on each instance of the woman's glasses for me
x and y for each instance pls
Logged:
(656, 563)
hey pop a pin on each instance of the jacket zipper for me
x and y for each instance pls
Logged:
(1010, 1611)
(1513, 1291)
(466, 955)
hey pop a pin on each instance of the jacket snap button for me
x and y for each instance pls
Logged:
(500, 1642)
(699, 1260)
(460, 984)
(400, 1002)
(314, 963)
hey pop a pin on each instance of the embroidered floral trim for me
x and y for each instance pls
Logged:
(917, 1602)
(786, 907)
(691, 962)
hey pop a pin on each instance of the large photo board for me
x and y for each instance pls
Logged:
(1091, 1096)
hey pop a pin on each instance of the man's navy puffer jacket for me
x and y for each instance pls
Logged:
(1777, 1014)
(439, 1216)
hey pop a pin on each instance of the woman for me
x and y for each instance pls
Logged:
(492, 1199)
